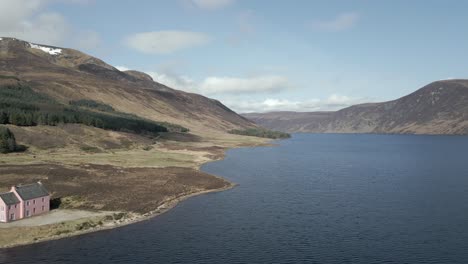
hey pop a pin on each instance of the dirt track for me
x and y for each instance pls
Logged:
(55, 216)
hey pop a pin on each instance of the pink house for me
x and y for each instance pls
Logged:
(24, 201)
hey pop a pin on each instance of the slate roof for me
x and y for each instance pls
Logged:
(31, 191)
(9, 198)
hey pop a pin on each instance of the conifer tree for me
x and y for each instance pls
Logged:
(7, 140)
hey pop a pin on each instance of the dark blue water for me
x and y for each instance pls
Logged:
(312, 199)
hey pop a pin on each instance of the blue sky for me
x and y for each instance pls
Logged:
(261, 55)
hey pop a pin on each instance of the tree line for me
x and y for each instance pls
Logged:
(22, 106)
(260, 132)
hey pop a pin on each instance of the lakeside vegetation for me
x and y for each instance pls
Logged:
(260, 132)
(22, 106)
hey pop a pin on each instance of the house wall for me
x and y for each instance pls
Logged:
(21, 204)
(36, 206)
(3, 211)
(14, 209)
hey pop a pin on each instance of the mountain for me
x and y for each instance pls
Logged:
(69, 75)
(438, 108)
(103, 139)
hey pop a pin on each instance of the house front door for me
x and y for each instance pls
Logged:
(2, 217)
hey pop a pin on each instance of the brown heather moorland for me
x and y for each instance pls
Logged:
(132, 176)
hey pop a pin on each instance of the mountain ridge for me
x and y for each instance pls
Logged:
(440, 107)
(68, 74)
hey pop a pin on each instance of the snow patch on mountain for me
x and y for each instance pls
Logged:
(49, 50)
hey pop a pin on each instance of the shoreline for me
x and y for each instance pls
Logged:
(94, 224)
(135, 218)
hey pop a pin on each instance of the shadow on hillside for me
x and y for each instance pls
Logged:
(21, 148)
(18, 149)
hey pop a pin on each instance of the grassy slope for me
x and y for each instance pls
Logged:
(122, 165)
(76, 76)
(86, 166)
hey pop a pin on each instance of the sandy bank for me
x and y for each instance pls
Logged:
(53, 217)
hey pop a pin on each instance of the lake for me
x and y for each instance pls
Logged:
(315, 198)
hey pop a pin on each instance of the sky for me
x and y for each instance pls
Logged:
(258, 55)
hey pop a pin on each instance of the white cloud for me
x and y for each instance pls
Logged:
(122, 68)
(46, 28)
(164, 42)
(23, 19)
(336, 99)
(333, 102)
(223, 85)
(223, 88)
(341, 22)
(212, 4)
(174, 81)
(14, 12)
(213, 85)
(183, 83)
(260, 84)
(27, 20)
(447, 79)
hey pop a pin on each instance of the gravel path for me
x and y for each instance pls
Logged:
(55, 216)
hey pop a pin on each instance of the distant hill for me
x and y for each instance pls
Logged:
(67, 75)
(438, 108)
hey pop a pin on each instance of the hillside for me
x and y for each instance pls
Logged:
(438, 108)
(115, 143)
(70, 75)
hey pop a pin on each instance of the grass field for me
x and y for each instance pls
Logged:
(131, 158)
(92, 169)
